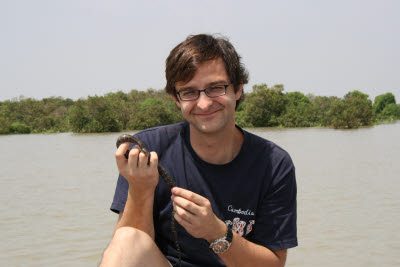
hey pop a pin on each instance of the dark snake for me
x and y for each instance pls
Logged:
(164, 175)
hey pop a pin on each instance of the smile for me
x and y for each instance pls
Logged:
(208, 114)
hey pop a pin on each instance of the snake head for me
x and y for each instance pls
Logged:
(122, 139)
(127, 138)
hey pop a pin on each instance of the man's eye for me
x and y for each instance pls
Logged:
(189, 93)
(216, 89)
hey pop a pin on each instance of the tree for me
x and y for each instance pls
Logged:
(391, 111)
(323, 105)
(265, 105)
(299, 112)
(242, 117)
(259, 87)
(78, 117)
(101, 116)
(381, 101)
(151, 113)
(121, 107)
(19, 128)
(4, 125)
(353, 111)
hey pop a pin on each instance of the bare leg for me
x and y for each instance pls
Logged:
(132, 247)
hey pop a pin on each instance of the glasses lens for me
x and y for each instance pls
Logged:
(216, 91)
(189, 94)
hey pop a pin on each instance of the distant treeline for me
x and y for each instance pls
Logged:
(263, 107)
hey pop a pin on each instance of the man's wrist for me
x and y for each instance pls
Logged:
(219, 233)
(223, 244)
(141, 195)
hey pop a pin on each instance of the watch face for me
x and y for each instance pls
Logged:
(221, 246)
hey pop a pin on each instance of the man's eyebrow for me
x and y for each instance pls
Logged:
(184, 88)
(218, 82)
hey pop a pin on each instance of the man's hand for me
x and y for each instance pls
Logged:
(195, 214)
(140, 172)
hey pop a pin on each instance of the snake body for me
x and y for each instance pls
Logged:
(164, 175)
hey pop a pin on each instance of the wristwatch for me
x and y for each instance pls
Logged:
(222, 244)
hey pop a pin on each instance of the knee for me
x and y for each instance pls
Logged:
(125, 240)
(128, 234)
(129, 238)
(127, 244)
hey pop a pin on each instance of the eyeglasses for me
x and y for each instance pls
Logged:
(192, 94)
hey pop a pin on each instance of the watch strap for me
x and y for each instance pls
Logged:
(229, 234)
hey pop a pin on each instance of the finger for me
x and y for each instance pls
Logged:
(185, 224)
(184, 214)
(186, 204)
(142, 160)
(189, 195)
(134, 156)
(119, 155)
(153, 160)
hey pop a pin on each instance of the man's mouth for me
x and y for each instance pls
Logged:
(207, 114)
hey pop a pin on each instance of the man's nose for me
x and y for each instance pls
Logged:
(204, 101)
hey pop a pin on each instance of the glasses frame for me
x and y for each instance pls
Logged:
(205, 91)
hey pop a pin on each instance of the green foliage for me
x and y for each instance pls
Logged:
(151, 113)
(353, 111)
(391, 111)
(94, 115)
(259, 87)
(44, 115)
(323, 106)
(120, 111)
(385, 107)
(121, 106)
(19, 128)
(78, 117)
(264, 106)
(242, 117)
(5, 122)
(300, 111)
(381, 101)
(5, 125)
(102, 117)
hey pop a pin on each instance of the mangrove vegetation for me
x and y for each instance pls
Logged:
(263, 107)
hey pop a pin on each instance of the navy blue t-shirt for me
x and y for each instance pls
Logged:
(255, 193)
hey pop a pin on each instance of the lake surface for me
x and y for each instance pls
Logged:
(56, 190)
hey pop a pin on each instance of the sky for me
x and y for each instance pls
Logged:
(77, 48)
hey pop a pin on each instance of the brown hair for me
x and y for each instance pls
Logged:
(186, 57)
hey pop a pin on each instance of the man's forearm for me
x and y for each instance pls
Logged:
(138, 212)
(245, 253)
(194, 213)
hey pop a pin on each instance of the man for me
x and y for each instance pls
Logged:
(235, 200)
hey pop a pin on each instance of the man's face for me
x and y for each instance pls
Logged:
(209, 115)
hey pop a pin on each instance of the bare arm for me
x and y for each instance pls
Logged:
(245, 253)
(142, 177)
(138, 213)
(118, 226)
(195, 214)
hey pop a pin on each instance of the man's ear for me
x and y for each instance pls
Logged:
(239, 92)
(175, 98)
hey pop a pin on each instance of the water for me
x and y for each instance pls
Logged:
(56, 189)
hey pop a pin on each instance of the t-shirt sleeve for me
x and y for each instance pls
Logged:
(276, 226)
(120, 196)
